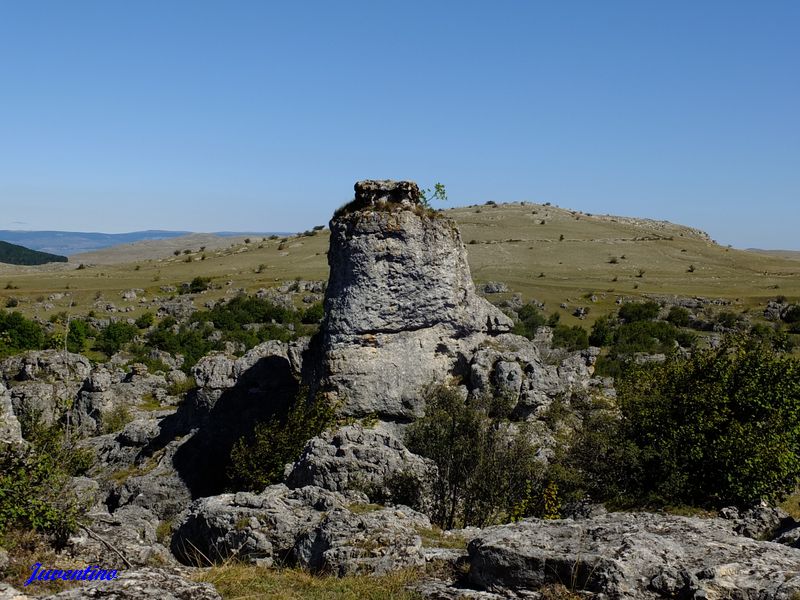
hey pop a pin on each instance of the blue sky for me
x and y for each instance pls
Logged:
(118, 116)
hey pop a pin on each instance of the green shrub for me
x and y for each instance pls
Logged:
(145, 320)
(18, 334)
(572, 338)
(679, 316)
(197, 285)
(631, 312)
(484, 472)
(314, 313)
(33, 481)
(722, 427)
(530, 319)
(79, 332)
(258, 460)
(644, 336)
(114, 337)
(116, 418)
(729, 320)
(603, 331)
(792, 314)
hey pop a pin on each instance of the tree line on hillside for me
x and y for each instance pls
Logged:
(20, 255)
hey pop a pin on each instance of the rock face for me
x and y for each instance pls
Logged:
(400, 302)
(628, 555)
(10, 432)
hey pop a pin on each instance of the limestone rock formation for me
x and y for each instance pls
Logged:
(308, 526)
(633, 556)
(10, 432)
(173, 583)
(400, 303)
(371, 460)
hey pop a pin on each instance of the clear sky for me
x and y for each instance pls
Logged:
(258, 116)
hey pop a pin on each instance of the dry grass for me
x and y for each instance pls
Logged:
(25, 549)
(510, 245)
(245, 582)
(436, 538)
(792, 505)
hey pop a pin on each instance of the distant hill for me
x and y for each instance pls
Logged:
(792, 254)
(72, 242)
(13, 254)
(75, 242)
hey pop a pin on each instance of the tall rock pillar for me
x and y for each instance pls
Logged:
(401, 308)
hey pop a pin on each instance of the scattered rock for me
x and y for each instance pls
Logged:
(495, 287)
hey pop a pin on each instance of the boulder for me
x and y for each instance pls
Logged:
(374, 542)
(131, 531)
(260, 527)
(367, 460)
(147, 583)
(633, 556)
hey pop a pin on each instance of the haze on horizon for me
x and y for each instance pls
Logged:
(207, 116)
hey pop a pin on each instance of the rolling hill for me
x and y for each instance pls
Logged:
(554, 255)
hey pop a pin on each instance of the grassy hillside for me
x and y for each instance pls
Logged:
(519, 244)
(19, 255)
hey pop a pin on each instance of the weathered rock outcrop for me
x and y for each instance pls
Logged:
(635, 556)
(174, 583)
(400, 303)
(372, 461)
(10, 432)
(308, 526)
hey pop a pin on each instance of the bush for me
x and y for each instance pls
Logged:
(530, 319)
(197, 285)
(792, 314)
(603, 331)
(722, 427)
(679, 316)
(114, 337)
(18, 334)
(79, 332)
(145, 320)
(116, 418)
(33, 481)
(638, 311)
(572, 338)
(313, 314)
(485, 473)
(728, 320)
(258, 460)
